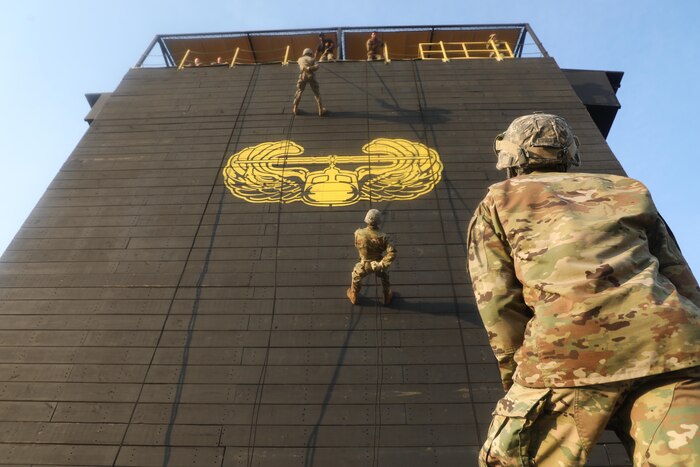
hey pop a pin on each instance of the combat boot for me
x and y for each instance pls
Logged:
(352, 295)
(321, 108)
(388, 295)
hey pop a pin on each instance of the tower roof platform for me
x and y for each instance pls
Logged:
(273, 46)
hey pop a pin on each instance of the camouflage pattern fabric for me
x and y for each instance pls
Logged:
(537, 140)
(327, 50)
(371, 243)
(662, 420)
(375, 49)
(579, 282)
(307, 68)
(656, 418)
(362, 269)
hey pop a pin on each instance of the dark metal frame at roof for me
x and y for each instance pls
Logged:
(252, 49)
(170, 61)
(536, 39)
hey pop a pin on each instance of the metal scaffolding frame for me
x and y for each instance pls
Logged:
(169, 60)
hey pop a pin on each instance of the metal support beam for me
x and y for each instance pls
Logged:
(537, 41)
(339, 51)
(169, 60)
(518, 52)
(147, 53)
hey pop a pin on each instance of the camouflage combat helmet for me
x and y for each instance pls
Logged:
(537, 140)
(308, 52)
(373, 217)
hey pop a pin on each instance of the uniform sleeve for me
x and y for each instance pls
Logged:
(672, 265)
(498, 293)
(390, 254)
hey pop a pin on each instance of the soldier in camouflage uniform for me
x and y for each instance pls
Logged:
(371, 244)
(375, 47)
(307, 69)
(590, 308)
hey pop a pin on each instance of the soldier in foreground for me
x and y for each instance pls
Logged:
(591, 310)
(307, 70)
(372, 244)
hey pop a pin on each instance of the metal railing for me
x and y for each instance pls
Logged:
(446, 51)
(525, 45)
(185, 63)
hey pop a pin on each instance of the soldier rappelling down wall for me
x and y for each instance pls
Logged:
(372, 244)
(307, 70)
(591, 310)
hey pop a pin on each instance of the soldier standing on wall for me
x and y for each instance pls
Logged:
(325, 51)
(328, 52)
(307, 70)
(591, 310)
(372, 244)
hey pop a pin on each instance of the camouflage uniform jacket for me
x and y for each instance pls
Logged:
(307, 67)
(375, 46)
(371, 243)
(579, 282)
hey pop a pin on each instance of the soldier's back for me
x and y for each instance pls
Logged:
(603, 310)
(370, 243)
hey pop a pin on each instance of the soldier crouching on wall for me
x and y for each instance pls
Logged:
(372, 244)
(591, 310)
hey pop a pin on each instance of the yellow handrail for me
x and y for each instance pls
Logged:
(386, 54)
(493, 45)
(235, 55)
(444, 52)
(182, 62)
(286, 57)
(447, 51)
(510, 51)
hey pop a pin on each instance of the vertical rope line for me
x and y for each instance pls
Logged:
(195, 305)
(379, 362)
(422, 103)
(252, 435)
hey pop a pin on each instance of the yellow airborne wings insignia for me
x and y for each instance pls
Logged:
(277, 172)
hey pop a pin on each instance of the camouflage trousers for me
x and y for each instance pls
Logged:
(301, 85)
(362, 269)
(657, 419)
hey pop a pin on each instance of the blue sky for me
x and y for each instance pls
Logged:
(54, 52)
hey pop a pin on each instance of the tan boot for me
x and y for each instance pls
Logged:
(321, 111)
(352, 296)
(388, 295)
(295, 109)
